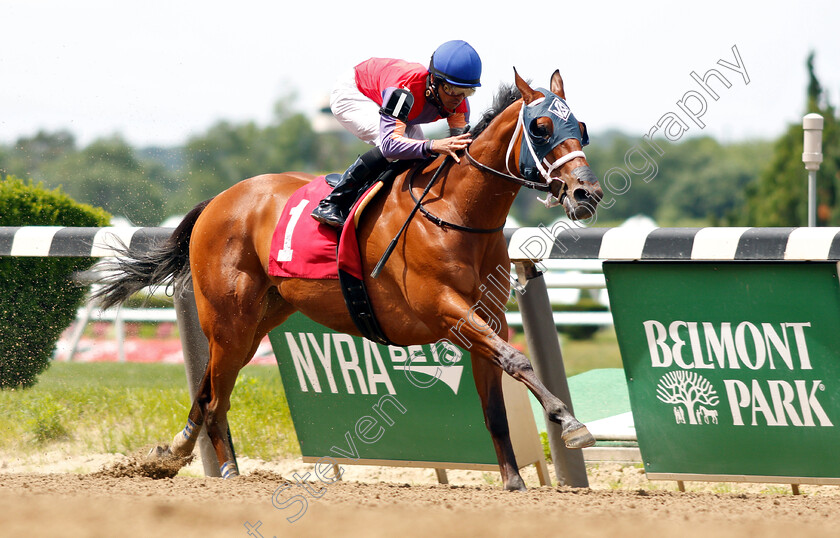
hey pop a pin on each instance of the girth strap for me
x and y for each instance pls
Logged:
(361, 310)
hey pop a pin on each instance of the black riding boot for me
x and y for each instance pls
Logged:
(333, 209)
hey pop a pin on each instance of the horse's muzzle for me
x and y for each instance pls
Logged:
(585, 175)
(585, 194)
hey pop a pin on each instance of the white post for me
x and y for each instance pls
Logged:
(119, 333)
(812, 157)
(81, 323)
(547, 360)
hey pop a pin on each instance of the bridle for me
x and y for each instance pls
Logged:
(536, 185)
(543, 166)
(530, 143)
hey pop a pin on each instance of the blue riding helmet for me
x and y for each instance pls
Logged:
(457, 63)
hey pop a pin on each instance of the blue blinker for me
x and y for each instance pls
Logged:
(565, 126)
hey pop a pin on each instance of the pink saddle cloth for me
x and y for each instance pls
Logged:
(302, 247)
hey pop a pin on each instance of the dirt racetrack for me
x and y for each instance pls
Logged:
(103, 504)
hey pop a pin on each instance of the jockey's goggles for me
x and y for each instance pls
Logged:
(456, 91)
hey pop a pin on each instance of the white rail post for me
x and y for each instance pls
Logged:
(547, 360)
(812, 157)
(196, 357)
(119, 334)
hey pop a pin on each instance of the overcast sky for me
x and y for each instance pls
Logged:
(157, 72)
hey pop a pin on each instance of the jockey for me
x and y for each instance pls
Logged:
(384, 101)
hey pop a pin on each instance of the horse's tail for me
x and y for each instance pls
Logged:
(163, 263)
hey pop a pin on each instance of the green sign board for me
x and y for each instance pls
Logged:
(352, 399)
(733, 369)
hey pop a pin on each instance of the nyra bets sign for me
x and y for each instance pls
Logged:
(732, 368)
(354, 399)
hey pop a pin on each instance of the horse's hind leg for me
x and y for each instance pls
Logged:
(184, 442)
(233, 341)
(488, 381)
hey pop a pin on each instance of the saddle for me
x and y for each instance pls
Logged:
(304, 248)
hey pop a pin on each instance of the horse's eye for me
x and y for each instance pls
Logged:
(540, 131)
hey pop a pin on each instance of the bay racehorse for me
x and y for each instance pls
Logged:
(432, 279)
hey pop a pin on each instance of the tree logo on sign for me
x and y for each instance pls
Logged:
(691, 394)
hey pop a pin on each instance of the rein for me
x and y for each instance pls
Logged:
(393, 243)
(536, 185)
(437, 220)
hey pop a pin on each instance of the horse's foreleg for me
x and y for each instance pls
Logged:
(488, 381)
(487, 343)
(517, 365)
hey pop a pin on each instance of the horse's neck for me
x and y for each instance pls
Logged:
(489, 197)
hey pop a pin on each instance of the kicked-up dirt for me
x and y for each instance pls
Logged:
(120, 500)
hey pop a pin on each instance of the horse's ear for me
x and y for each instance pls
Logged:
(557, 85)
(528, 94)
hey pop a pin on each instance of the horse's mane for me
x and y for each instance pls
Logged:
(505, 96)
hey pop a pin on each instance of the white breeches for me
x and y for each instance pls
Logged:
(358, 113)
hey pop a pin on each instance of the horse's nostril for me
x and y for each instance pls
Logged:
(581, 195)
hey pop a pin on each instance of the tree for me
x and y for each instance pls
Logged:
(108, 174)
(779, 196)
(29, 154)
(707, 180)
(697, 179)
(38, 298)
(686, 388)
(228, 153)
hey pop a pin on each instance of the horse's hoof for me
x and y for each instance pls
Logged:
(579, 438)
(228, 470)
(160, 452)
(516, 484)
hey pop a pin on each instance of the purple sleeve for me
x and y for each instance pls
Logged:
(395, 145)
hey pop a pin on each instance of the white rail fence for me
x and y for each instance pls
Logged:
(565, 280)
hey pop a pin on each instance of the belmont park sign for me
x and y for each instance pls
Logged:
(733, 369)
(774, 402)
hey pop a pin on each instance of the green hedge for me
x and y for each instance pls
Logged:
(38, 298)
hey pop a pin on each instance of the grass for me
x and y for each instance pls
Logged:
(601, 351)
(122, 407)
(777, 490)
